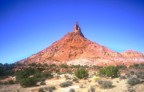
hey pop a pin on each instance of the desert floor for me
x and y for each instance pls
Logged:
(119, 85)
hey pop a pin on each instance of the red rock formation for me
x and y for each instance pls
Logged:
(74, 48)
(131, 53)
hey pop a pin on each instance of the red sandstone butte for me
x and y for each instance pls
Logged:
(75, 49)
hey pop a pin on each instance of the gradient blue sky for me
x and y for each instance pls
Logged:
(29, 26)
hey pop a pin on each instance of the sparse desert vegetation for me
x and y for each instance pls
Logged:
(73, 78)
(81, 73)
(109, 71)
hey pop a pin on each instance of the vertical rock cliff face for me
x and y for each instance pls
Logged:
(74, 48)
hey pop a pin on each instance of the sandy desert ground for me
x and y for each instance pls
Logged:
(119, 85)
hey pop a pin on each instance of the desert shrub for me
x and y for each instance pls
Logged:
(75, 66)
(50, 89)
(131, 89)
(28, 82)
(52, 66)
(105, 84)
(66, 84)
(121, 67)
(109, 71)
(81, 73)
(140, 75)
(71, 90)
(47, 75)
(123, 77)
(133, 81)
(137, 66)
(99, 81)
(39, 76)
(75, 79)
(42, 75)
(41, 90)
(91, 89)
(132, 72)
(64, 66)
(128, 75)
(26, 73)
(142, 65)
(29, 77)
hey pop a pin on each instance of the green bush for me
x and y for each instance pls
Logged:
(66, 84)
(29, 77)
(109, 71)
(40, 76)
(28, 82)
(105, 84)
(26, 73)
(26, 77)
(133, 81)
(47, 75)
(81, 73)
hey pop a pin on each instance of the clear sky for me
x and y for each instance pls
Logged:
(29, 26)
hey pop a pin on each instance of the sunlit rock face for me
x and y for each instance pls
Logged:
(75, 49)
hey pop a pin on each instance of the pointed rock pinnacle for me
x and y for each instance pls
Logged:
(77, 29)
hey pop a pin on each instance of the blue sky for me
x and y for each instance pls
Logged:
(29, 26)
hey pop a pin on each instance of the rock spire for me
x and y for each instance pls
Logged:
(77, 29)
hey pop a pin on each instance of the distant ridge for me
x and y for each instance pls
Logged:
(75, 49)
